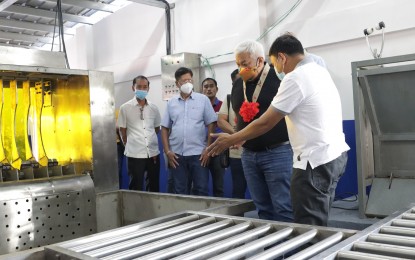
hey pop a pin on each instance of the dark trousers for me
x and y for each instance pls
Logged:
(217, 173)
(121, 157)
(238, 178)
(170, 182)
(313, 190)
(137, 168)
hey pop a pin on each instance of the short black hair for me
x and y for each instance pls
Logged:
(288, 44)
(181, 71)
(140, 77)
(234, 73)
(212, 79)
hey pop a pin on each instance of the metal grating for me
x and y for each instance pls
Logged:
(391, 238)
(196, 235)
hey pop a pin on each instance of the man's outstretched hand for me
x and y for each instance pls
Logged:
(223, 141)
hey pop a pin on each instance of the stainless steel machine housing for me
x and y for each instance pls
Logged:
(384, 95)
(43, 204)
(101, 103)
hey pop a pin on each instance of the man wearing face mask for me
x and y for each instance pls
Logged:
(310, 102)
(139, 123)
(184, 136)
(267, 159)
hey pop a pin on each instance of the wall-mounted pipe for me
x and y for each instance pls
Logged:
(162, 4)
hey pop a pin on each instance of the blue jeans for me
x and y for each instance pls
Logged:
(238, 178)
(190, 170)
(268, 174)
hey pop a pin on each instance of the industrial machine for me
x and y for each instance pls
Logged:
(55, 121)
(384, 96)
(57, 148)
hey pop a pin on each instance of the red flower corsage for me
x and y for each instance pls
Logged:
(249, 110)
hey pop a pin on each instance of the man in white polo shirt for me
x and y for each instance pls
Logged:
(310, 102)
(139, 122)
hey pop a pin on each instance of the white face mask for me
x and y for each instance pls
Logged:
(186, 88)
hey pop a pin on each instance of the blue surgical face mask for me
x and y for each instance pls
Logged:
(281, 74)
(141, 94)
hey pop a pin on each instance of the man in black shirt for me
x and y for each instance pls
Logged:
(267, 159)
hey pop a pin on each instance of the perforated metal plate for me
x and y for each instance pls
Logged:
(43, 213)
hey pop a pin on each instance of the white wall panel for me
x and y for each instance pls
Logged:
(80, 49)
(322, 22)
(213, 27)
(131, 41)
(134, 32)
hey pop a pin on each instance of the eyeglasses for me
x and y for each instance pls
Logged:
(141, 113)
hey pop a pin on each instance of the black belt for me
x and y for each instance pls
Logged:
(269, 147)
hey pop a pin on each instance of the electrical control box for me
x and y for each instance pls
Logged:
(169, 65)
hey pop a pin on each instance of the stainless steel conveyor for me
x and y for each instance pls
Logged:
(390, 238)
(200, 235)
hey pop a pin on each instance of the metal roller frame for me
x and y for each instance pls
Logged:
(390, 238)
(200, 235)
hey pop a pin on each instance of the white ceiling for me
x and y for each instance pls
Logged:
(31, 23)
